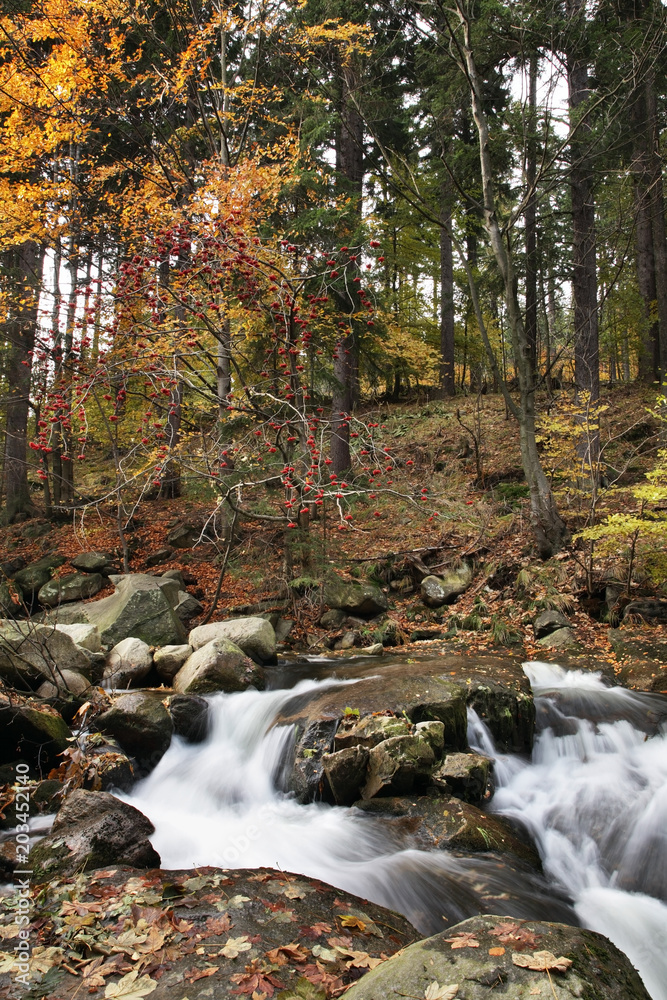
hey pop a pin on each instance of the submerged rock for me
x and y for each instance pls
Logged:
(91, 830)
(486, 954)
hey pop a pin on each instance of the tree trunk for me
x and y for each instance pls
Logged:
(584, 273)
(658, 226)
(649, 360)
(24, 269)
(530, 220)
(447, 384)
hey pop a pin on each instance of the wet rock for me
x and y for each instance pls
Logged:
(305, 772)
(434, 734)
(188, 607)
(363, 599)
(370, 731)
(183, 536)
(281, 923)
(93, 562)
(375, 649)
(45, 797)
(598, 970)
(127, 664)
(29, 653)
(190, 716)
(64, 680)
(345, 772)
(141, 725)
(466, 775)
(397, 764)
(652, 611)
(73, 587)
(218, 666)
(439, 590)
(443, 822)
(91, 830)
(31, 732)
(549, 621)
(255, 636)
(109, 768)
(36, 574)
(85, 636)
(169, 659)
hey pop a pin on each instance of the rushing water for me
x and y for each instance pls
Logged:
(594, 798)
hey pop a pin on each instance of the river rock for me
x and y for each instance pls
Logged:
(159, 556)
(560, 638)
(36, 574)
(31, 732)
(304, 776)
(177, 574)
(439, 590)
(466, 775)
(280, 923)
(73, 587)
(127, 664)
(169, 659)
(549, 621)
(255, 636)
(142, 607)
(595, 968)
(109, 768)
(190, 715)
(93, 562)
(443, 822)
(188, 607)
(370, 731)
(333, 618)
(397, 765)
(142, 726)
(218, 666)
(652, 611)
(345, 772)
(28, 653)
(85, 636)
(363, 599)
(64, 681)
(91, 830)
(183, 536)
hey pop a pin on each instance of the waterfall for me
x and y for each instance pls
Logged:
(594, 798)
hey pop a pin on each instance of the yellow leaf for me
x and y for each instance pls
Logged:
(129, 989)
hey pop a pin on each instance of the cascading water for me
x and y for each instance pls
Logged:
(218, 804)
(594, 798)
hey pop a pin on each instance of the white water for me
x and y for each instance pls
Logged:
(594, 798)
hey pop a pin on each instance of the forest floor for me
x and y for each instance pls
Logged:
(482, 518)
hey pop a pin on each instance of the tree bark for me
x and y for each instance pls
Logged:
(658, 226)
(530, 220)
(645, 205)
(447, 383)
(24, 269)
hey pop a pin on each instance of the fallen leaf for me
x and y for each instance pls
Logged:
(325, 954)
(217, 925)
(496, 951)
(463, 940)
(315, 930)
(437, 992)
(287, 953)
(130, 988)
(235, 946)
(542, 961)
(194, 974)
(349, 920)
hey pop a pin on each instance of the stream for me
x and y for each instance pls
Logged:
(593, 797)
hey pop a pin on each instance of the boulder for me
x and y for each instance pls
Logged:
(198, 915)
(159, 556)
(36, 574)
(434, 734)
(370, 731)
(127, 664)
(188, 607)
(85, 636)
(93, 562)
(218, 666)
(33, 733)
(561, 638)
(64, 681)
(439, 590)
(345, 772)
(375, 649)
(397, 764)
(363, 599)
(92, 830)
(183, 536)
(141, 725)
(549, 621)
(11, 598)
(466, 775)
(29, 652)
(175, 574)
(333, 619)
(442, 822)
(255, 636)
(502, 953)
(652, 611)
(142, 607)
(169, 659)
(190, 716)
(305, 776)
(73, 587)
(109, 768)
